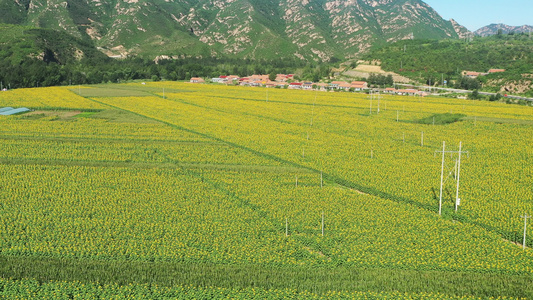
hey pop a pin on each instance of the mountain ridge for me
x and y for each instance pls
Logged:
(494, 28)
(319, 30)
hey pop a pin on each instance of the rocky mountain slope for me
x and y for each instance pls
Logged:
(461, 31)
(493, 29)
(308, 29)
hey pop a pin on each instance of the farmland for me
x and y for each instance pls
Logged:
(167, 189)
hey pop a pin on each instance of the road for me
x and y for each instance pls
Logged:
(463, 91)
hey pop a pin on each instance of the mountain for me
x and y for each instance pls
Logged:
(18, 42)
(461, 31)
(493, 29)
(308, 29)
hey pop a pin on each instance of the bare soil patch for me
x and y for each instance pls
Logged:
(364, 71)
(62, 115)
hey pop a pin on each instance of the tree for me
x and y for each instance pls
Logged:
(468, 83)
(315, 77)
(272, 76)
(495, 97)
(474, 95)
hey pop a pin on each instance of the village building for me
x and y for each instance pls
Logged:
(284, 77)
(407, 92)
(336, 84)
(359, 85)
(307, 85)
(322, 86)
(471, 74)
(197, 80)
(492, 71)
(295, 85)
(344, 86)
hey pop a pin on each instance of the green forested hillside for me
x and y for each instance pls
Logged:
(33, 57)
(18, 43)
(431, 61)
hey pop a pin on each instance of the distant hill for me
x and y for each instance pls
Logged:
(319, 30)
(494, 29)
(432, 61)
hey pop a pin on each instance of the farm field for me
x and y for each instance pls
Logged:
(171, 189)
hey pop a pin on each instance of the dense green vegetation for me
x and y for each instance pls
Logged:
(157, 277)
(21, 45)
(441, 119)
(32, 57)
(431, 61)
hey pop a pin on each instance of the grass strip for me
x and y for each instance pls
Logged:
(318, 280)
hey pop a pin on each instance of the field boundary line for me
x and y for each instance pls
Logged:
(332, 178)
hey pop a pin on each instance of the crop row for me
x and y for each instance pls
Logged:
(376, 151)
(231, 217)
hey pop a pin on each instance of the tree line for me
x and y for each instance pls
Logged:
(33, 72)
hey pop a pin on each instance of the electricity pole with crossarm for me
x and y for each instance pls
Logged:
(442, 174)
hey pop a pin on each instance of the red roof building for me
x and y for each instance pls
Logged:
(197, 80)
(491, 71)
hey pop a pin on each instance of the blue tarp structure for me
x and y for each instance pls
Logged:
(7, 111)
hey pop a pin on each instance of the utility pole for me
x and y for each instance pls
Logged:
(457, 200)
(525, 216)
(442, 176)
(322, 223)
(371, 98)
(379, 102)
